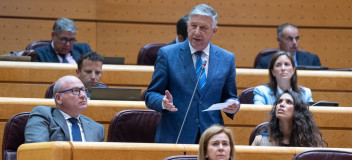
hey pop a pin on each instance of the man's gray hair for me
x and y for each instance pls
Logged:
(282, 27)
(205, 10)
(64, 24)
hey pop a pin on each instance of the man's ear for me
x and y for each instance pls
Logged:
(52, 35)
(58, 98)
(77, 72)
(215, 29)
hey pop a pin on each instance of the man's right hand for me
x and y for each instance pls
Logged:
(168, 102)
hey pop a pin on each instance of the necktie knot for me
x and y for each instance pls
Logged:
(199, 53)
(73, 120)
(63, 56)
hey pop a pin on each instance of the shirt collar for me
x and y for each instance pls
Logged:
(66, 116)
(206, 50)
(280, 91)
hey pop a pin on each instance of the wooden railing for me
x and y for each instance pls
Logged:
(334, 122)
(146, 151)
(30, 80)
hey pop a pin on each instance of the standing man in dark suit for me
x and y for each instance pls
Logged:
(62, 48)
(288, 39)
(64, 122)
(175, 78)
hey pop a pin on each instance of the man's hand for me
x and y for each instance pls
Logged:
(168, 102)
(231, 109)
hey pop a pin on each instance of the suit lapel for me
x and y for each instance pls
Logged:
(74, 53)
(300, 58)
(53, 56)
(212, 68)
(87, 128)
(186, 59)
(60, 120)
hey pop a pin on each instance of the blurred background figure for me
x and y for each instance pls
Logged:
(181, 29)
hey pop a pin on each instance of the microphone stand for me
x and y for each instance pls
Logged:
(190, 102)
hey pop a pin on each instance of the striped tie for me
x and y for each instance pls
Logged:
(203, 77)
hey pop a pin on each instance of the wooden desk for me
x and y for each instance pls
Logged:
(334, 122)
(30, 79)
(145, 151)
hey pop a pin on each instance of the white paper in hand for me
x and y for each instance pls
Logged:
(219, 106)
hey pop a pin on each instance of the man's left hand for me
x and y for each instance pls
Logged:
(231, 109)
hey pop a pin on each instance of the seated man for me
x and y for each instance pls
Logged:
(62, 48)
(181, 29)
(90, 67)
(288, 39)
(89, 70)
(64, 122)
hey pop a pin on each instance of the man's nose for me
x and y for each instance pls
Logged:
(197, 30)
(93, 75)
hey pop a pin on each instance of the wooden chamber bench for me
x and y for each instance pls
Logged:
(30, 80)
(334, 122)
(146, 151)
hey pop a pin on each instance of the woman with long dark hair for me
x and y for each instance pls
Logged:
(291, 124)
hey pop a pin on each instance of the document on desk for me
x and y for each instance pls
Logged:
(219, 106)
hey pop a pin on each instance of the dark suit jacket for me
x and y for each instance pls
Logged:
(174, 71)
(48, 124)
(303, 59)
(47, 53)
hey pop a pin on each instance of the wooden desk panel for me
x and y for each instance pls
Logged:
(35, 77)
(146, 151)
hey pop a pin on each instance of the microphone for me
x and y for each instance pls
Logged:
(190, 102)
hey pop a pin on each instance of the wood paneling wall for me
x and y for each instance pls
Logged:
(121, 28)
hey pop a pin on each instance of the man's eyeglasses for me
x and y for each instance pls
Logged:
(65, 40)
(76, 91)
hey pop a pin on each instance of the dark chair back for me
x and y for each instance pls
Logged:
(182, 157)
(259, 129)
(246, 96)
(50, 91)
(323, 155)
(29, 51)
(134, 126)
(37, 44)
(14, 135)
(148, 53)
(263, 53)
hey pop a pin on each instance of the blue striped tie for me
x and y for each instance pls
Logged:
(203, 77)
(76, 132)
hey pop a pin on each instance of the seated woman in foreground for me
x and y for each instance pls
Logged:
(283, 76)
(216, 143)
(291, 124)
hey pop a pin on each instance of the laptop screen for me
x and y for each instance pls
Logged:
(323, 103)
(127, 94)
(114, 60)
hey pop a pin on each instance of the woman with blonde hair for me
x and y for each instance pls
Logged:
(216, 143)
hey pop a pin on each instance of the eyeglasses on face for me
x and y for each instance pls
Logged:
(75, 91)
(65, 40)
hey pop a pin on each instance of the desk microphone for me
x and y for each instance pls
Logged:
(190, 102)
